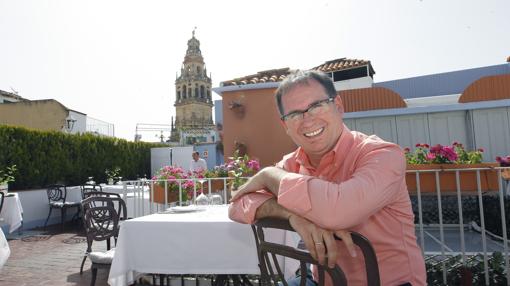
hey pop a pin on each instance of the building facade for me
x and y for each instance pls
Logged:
(468, 106)
(193, 102)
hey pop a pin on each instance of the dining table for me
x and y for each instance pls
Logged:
(4, 249)
(12, 212)
(188, 240)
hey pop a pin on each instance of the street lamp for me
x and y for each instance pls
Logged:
(70, 120)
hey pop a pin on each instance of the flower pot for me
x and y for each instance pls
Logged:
(447, 179)
(505, 174)
(159, 195)
(217, 185)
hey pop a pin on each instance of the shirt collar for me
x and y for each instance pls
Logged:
(336, 155)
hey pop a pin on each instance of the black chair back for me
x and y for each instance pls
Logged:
(56, 193)
(99, 199)
(270, 269)
(1, 201)
(87, 188)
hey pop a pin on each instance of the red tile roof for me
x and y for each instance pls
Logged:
(343, 64)
(276, 75)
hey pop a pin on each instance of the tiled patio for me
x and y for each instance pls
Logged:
(49, 258)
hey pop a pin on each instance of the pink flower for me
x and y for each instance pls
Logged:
(254, 165)
(430, 156)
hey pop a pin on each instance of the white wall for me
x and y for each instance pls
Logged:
(166, 156)
(482, 128)
(361, 82)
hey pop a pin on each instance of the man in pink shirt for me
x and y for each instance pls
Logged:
(337, 181)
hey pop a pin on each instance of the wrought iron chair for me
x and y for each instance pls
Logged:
(87, 188)
(1, 201)
(272, 274)
(57, 195)
(101, 223)
(101, 199)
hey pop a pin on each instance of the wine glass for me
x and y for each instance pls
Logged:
(216, 199)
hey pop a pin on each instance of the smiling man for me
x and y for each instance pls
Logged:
(337, 181)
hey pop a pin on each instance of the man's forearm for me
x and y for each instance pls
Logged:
(271, 208)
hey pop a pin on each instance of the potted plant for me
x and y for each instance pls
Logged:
(6, 176)
(171, 177)
(444, 158)
(240, 167)
(112, 174)
(504, 162)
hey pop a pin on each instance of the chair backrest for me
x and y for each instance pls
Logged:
(271, 271)
(1, 201)
(101, 223)
(98, 199)
(86, 188)
(56, 193)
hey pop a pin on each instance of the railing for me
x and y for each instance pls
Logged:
(447, 223)
(140, 194)
(470, 224)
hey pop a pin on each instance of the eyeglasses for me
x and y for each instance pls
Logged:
(314, 108)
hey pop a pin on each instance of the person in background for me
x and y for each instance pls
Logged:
(197, 164)
(337, 181)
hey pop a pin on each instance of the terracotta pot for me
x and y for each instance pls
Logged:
(505, 174)
(159, 195)
(467, 179)
(217, 185)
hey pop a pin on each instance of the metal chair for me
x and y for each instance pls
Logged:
(101, 199)
(1, 201)
(101, 223)
(87, 188)
(57, 200)
(272, 274)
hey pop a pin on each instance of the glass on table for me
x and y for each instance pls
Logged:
(216, 199)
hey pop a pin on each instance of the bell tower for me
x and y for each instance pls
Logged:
(193, 102)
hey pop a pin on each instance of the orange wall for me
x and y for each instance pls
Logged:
(259, 128)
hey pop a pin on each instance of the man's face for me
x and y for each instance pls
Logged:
(195, 156)
(316, 134)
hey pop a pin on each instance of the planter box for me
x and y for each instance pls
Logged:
(217, 185)
(159, 195)
(467, 179)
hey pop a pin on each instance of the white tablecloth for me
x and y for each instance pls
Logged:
(4, 249)
(12, 212)
(204, 242)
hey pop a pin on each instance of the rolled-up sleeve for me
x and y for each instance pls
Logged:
(244, 209)
(378, 177)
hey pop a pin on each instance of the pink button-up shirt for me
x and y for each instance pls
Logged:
(359, 186)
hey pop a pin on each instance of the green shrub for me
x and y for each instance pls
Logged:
(48, 157)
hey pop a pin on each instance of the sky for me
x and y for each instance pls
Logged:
(117, 61)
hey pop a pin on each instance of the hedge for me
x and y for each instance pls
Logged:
(48, 157)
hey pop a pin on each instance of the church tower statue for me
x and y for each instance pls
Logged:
(193, 102)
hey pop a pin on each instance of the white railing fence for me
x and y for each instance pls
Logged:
(455, 229)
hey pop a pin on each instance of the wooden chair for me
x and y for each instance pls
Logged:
(101, 223)
(272, 274)
(57, 195)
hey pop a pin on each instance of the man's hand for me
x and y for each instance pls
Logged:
(320, 242)
(268, 178)
(254, 183)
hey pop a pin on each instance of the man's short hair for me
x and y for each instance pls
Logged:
(196, 153)
(300, 77)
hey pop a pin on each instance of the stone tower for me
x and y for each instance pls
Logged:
(193, 102)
